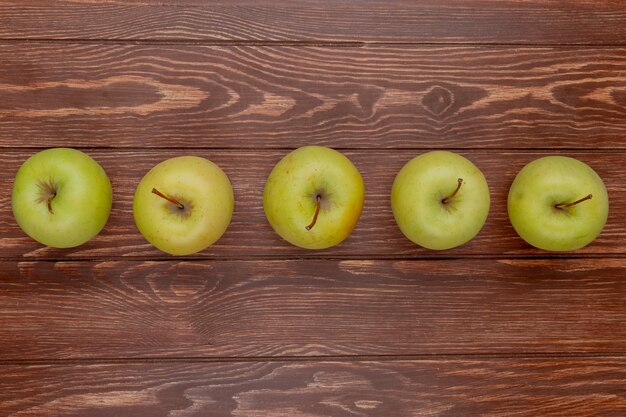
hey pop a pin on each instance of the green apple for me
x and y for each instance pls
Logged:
(61, 197)
(440, 200)
(313, 197)
(558, 203)
(183, 205)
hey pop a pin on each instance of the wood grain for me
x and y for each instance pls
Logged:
(122, 309)
(425, 21)
(563, 387)
(255, 327)
(182, 96)
(250, 235)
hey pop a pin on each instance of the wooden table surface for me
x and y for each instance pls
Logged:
(255, 327)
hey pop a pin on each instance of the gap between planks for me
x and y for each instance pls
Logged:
(254, 258)
(313, 359)
(222, 149)
(313, 43)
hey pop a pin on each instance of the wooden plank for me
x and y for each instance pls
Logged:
(438, 387)
(426, 21)
(123, 309)
(250, 235)
(111, 95)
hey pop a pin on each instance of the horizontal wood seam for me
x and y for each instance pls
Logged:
(329, 358)
(308, 43)
(317, 258)
(222, 149)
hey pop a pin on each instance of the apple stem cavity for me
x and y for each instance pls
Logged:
(48, 191)
(318, 199)
(170, 199)
(447, 199)
(49, 201)
(572, 204)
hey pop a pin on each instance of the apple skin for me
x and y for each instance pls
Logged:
(551, 180)
(82, 203)
(204, 190)
(417, 194)
(290, 202)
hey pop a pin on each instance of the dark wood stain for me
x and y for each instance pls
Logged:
(437, 387)
(186, 96)
(424, 21)
(311, 308)
(254, 327)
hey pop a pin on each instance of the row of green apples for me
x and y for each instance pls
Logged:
(312, 198)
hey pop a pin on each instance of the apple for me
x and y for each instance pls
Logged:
(558, 203)
(313, 197)
(183, 205)
(440, 200)
(61, 197)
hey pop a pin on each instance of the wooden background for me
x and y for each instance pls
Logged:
(255, 327)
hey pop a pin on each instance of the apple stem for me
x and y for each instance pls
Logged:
(170, 199)
(572, 204)
(49, 201)
(318, 199)
(451, 196)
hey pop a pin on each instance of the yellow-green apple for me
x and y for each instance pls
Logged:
(183, 205)
(558, 203)
(313, 197)
(440, 200)
(61, 197)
